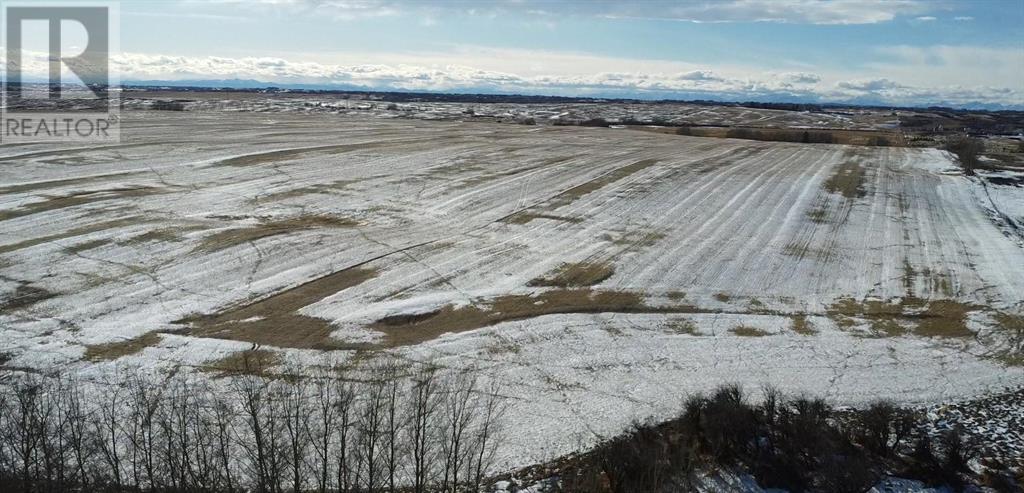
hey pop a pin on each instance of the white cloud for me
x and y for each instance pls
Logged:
(798, 11)
(872, 85)
(924, 18)
(733, 83)
(787, 11)
(801, 78)
(963, 18)
(909, 77)
(951, 65)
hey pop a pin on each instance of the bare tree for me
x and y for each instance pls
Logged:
(107, 430)
(296, 423)
(392, 421)
(490, 408)
(143, 432)
(222, 414)
(457, 414)
(143, 401)
(371, 431)
(422, 410)
(321, 428)
(344, 405)
(76, 430)
(23, 428)
(251, 392)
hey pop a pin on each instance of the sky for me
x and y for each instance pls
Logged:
(893, 52)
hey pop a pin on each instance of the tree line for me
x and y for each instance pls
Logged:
(389, 428)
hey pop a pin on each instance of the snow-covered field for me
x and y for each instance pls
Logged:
(600, 274)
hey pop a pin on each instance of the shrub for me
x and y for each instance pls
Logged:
(162, 105)
(882, 428)
(968, 150)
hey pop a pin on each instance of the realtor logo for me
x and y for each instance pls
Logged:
(57, 82)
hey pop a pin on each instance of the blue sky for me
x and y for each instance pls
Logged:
(882, 51)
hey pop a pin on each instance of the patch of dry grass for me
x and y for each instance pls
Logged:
(524, 217)
(803, 326)
(574, 275)
(745, 331)
(24, 296)
(573, 194)
(944, 318)
(71, 233)
(289, 154)
(274, 320)
(236, 236)
(682, 326)
(87, 245)
(407, 329)
(114, 350)
(818, 215)
(251, 362)
(78, 198)
(804, 250)
(324, 188)
(927, 318)
(848, 180)
(166, 235)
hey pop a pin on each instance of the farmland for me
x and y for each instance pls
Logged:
(599, 274)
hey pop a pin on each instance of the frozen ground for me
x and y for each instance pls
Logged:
(600, 274)
(665, 113)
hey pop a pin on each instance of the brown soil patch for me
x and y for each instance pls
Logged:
(408, 329)
(571, 275)
(802, 326)
(745, 331)
(274, 321)
(848, 180)
(80, 198)
(722, 297)
(114, 350)
(236, 236)
(25, 296)
(573, 194)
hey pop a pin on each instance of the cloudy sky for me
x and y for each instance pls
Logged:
(908, 52)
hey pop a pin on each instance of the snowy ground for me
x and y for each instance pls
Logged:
(542, 113)
(600, 274)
